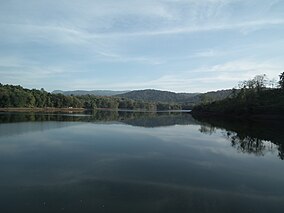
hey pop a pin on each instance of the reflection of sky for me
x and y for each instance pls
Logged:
(91, 161)
(175, 156)
(10, 129)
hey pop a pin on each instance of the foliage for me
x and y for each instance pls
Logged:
(157, 96)
(17, 96)
(252, 98)
(256, 84)
(281, 81)
(186, 99)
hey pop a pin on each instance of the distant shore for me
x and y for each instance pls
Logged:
(52, 109)
(47, 109)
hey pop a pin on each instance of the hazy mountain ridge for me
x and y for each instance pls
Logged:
(152, 95)
(157, 95)
(92, 92)
(166, 96)
(210, 96)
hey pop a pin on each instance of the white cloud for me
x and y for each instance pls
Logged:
(114, 57)
(216, 77)
(201, 79)
(91, 20)
(87, 33)
(21, 71)
(208, 54)
(249, 25)
(245, 68)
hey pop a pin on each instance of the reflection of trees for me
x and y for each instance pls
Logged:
(247, 144)
(144, 119)
(281, 154)
(160, 119)
(208, 130)
(246, 136)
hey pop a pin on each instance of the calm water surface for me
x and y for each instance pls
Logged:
(139, 162)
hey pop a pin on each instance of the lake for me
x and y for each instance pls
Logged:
(139, 162)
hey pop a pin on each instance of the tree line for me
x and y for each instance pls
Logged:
(257, 96)
(17, 96)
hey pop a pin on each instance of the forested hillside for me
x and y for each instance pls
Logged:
(181, 98)
(253, 98)
(247, 104)
(157, 95)
(17, 96)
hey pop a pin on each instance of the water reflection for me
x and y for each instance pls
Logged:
(252, 137)
(251, 145)
(34, 122)
(143, 119)
(109, 162)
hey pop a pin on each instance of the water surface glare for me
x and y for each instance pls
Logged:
(138, 162)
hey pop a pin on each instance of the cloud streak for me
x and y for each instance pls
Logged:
(107, 44)
(227, 75)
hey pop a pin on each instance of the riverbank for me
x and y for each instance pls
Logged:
(48, 109)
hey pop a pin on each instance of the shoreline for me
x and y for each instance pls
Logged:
(48, 109)
(71, 110)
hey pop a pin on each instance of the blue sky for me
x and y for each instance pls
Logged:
(176, 45)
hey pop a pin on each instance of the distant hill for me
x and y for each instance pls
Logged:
(157, 96)
(166, 96)
(18, 97)
(151, 95)
(209, 97)
(93, 92)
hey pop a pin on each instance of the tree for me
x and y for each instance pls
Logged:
(253, 86)
(281, 81)
(272, 83)
(206, 99)
(260, 82)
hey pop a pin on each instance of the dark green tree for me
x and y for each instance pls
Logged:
(281, 81)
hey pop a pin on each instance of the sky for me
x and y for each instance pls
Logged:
(173, 45)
